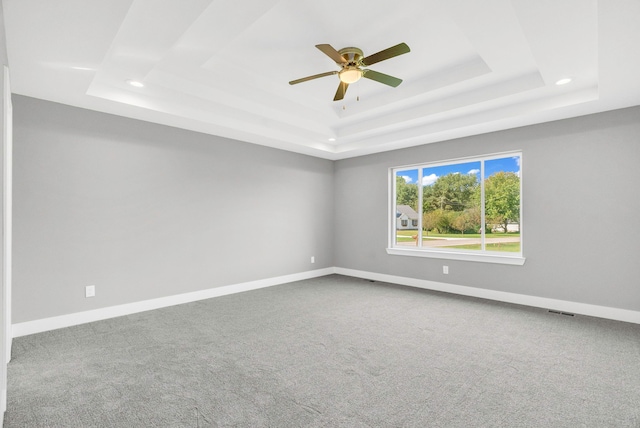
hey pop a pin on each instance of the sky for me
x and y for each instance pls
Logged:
(431, 174)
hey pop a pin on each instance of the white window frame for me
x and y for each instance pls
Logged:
(442, 253)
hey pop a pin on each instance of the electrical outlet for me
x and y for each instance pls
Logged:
(90, 291)
(445, 270)
(313, 259)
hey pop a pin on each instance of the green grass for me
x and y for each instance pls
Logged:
(405, 235)
(514, 247)
(431, 235)
(406, 232)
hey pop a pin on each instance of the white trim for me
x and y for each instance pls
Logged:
(501, 296)
(483, 209)
(7, 211)
(3, 406)
(391, 208)
(5, 324)
(452, 255)
(53, 323)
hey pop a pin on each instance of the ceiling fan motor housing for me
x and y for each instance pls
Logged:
(351, 71)
(352, 55)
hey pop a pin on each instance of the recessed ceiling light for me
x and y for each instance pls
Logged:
(563, 81)
(84, 68)
(135, 83)
(332, 139)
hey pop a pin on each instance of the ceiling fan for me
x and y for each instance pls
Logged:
(351, 62)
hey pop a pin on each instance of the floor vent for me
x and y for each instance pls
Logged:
(561, 313)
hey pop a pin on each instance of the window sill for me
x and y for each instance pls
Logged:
(483, 258)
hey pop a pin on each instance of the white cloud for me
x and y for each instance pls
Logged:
(473, 171)
(517, 159)
(428, 180)
(407, 179)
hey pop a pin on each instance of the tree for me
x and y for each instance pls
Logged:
(406, 194)
(502, 199)
(444, 220)
(468, 219)
(430, 220)
(475, 216)
(452, 192)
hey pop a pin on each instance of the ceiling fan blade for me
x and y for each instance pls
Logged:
(382, 78)
(396, 50)
(342, 89)
(315, 76)
(329, 51)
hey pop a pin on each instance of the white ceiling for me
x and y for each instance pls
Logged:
(222, 67)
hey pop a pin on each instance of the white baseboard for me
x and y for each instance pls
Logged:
(3, 405)
(53, 323)
(501, 296)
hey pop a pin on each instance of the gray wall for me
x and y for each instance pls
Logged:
(145, 211)
(581, 211)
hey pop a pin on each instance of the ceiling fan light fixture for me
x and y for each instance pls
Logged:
(350, 75)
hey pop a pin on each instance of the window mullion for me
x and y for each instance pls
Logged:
(483, 226)
(419, 210)
(394, 208)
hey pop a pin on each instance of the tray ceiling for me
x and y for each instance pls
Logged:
(222, 67)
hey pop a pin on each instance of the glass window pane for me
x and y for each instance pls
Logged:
(451, 206)
(406, 223)
(502, 204)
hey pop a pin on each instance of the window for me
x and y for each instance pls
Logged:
(467, 209)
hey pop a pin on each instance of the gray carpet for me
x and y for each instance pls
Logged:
(331, 352)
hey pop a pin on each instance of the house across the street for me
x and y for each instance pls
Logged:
(406, 218)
